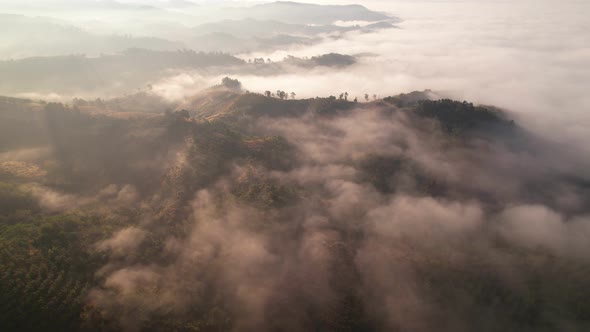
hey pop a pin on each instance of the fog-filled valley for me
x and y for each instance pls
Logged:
(280, 166)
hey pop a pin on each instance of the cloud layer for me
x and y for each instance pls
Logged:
(531, 58)
(348, 252)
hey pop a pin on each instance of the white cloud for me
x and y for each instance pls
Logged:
(530, 58)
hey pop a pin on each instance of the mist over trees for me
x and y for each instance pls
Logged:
(230, 30)
(102, 216)
(183, 166)
(135, 70)
(78, 73)
(130, 47)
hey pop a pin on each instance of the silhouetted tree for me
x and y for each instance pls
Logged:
(293, 94)
(366, 97)
(231, 83)
(282, 94)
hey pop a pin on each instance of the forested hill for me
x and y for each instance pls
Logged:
(73, 73)
(40, 29)
(138, 69)
(243, 211)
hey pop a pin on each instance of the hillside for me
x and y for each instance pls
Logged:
(240, 211)
(136, 70)
(51, 37)
(60, 29)
(128, 70)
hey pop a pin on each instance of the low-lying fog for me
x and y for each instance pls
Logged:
(529, 57)
(175, 208)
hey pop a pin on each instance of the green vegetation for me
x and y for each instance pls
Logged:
(74, 74)
(48, 266)
(459, 116)
(103, 175)
(13, 202)
(325, 60)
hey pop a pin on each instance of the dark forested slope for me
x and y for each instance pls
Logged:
(239, 211)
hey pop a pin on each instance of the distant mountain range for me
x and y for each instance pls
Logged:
(173, 25)
(304, 13)
(39, 36)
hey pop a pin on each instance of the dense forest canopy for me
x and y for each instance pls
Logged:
(259, 212)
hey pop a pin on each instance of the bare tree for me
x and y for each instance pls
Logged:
(366, 97)
(293, 94)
